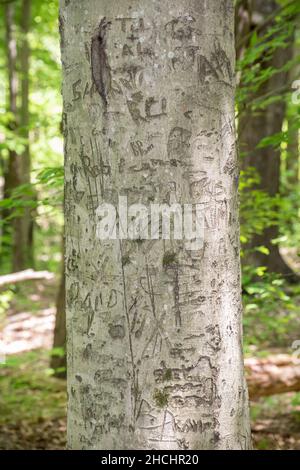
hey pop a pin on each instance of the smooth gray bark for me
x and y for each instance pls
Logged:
(154, 328)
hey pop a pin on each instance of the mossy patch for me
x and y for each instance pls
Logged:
(160, 398)
(167, 375)
(169, 258)
(125, 260)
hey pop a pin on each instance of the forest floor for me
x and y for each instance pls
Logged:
(33, 402)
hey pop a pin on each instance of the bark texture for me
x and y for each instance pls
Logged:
(154, 328)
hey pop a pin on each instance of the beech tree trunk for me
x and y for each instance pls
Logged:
(153, 326)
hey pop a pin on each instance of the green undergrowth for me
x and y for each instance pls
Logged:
(28, 391)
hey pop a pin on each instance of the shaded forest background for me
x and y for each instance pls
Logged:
(32, 330)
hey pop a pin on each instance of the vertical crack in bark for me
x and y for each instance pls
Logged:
(101, 72)
(134, 378)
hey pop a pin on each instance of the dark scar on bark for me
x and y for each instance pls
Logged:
(101, 72)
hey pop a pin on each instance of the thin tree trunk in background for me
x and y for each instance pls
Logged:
(292, 161)
(153, 326)
(24, 57)
(11, 58)
(252, 129)
(18, 167)
(243, 14)
(12, 171)
(58, 361)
